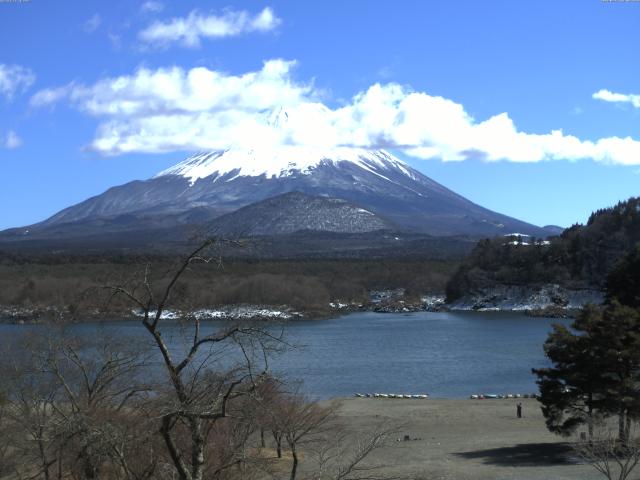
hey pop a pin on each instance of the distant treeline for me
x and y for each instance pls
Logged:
(73, 282)
(581, 257)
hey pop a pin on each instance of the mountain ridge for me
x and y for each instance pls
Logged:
(296, 212)
(207, 186)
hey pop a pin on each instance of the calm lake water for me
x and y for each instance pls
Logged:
(451, 354)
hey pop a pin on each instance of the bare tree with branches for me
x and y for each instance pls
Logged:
(614, 459)
(7, 434)
(97, 383)
(343, 455)
(190, 407)
(201, 384)
(299, 421)
(68, 404)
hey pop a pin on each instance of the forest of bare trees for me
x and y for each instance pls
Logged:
(37, 283)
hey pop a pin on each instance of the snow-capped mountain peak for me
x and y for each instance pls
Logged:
(210, 185)
(282, 161)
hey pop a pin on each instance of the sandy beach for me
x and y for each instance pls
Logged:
(467, 439)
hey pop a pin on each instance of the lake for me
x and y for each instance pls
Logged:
(448, 354)
(452, 354)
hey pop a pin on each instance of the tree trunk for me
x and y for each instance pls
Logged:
(175, 454)
(294, 465)
(89, 466)
(278, 439)
(90, 470)
(43, 457)
(262, 443)
(621, 426)
(590, 417)
(197, 449)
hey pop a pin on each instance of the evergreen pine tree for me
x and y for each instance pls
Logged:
(571, 390)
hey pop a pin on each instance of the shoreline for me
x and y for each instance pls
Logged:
(53, 315)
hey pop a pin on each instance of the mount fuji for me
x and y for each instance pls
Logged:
(343, 190)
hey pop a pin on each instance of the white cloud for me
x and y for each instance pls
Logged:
(12, 140)
(49, 96)
(174, 90)
(189, 30)
(14, 78)
(609, 96)
(151, 6)
(92, 24)
(115, 39)
(199, 109)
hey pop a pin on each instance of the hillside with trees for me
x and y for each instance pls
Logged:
(580, 258)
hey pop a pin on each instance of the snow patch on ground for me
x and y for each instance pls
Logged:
(524, 298)
(338, 305)
(235, 312)
(246, 312)
(432, 302)
(28, 315)
(379, 296)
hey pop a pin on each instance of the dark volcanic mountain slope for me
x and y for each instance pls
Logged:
(294, 212)
(213, 184)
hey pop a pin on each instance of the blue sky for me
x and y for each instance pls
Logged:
(480, 86)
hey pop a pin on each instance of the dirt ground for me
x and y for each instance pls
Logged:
(466, 439)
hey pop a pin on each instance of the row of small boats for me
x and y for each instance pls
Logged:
(391, 395)
(479, 396)
(493, 396)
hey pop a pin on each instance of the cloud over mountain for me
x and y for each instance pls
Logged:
(170, 109)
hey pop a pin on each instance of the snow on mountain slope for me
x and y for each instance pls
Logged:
(208, 185)
(280, 162)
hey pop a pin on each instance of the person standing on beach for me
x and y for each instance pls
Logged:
(519, 409)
